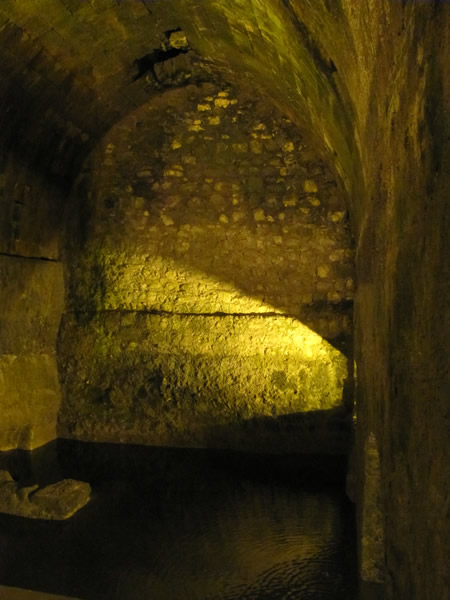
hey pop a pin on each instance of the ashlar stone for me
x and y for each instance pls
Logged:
(259, 215)
(334, 296)
(290, 201)
(337, 255)
(172, 173)
(222, 102)
(238, 216)
(310, 186)
(167, 220)
(240, 148)
(256, 147)
(336, 216)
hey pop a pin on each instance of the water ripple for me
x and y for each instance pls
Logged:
(191, 533)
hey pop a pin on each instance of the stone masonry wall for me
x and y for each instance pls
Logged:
(210, 283)
(31, 296)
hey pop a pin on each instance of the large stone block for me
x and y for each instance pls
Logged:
(30, 398)
(32, 294)
(259, 383)
(58, 501)
(32, 299)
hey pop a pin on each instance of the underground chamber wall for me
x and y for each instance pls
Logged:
(209, 271)
(209, 287)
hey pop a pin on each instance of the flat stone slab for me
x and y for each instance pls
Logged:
(58, 501)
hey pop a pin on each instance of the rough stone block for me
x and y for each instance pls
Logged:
(58, 501)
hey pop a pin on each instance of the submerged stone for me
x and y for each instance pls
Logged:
(54, 502)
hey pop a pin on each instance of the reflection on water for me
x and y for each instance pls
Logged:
(168, 524)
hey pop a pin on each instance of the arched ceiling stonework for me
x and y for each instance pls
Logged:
(320, 61)
(68, 66)
(67, 69)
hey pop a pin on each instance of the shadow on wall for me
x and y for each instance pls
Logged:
(308, 432)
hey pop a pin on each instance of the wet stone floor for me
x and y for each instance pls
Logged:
(178, 524)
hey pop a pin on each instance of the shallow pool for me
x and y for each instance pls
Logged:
(168, 524)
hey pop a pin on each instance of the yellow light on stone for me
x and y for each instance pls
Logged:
(222, 102)
(255, 355)
(310, 186)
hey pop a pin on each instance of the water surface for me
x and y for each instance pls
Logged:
(167, 524)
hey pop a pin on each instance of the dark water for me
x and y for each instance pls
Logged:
(166, 524)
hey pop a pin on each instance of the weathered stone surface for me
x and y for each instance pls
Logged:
(245, 382)
(372, 527)
(205, 234)
(30, 399)
(58, 501)
(202, 245)
(32, 301)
